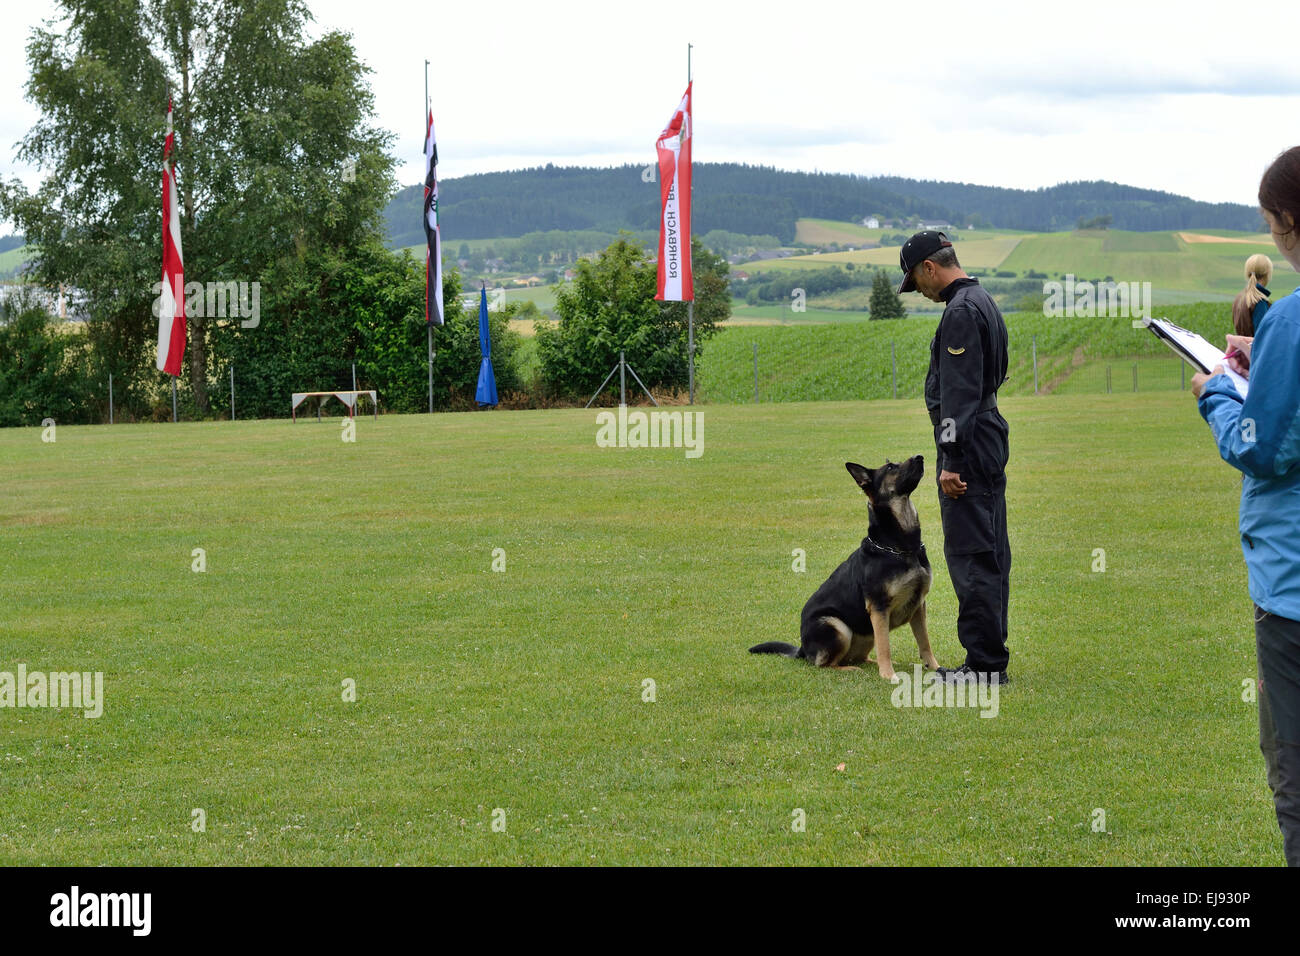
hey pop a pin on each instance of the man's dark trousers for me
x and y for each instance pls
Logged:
(976, 546)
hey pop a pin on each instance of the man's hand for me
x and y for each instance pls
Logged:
(1200, 378)
(950, 484)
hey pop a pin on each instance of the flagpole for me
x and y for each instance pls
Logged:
(428, 326)
(690, 306)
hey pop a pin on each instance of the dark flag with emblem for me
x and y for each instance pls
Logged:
(433, 313)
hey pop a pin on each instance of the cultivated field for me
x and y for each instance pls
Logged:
(524, 690)
(1181, 266)
(854, 361)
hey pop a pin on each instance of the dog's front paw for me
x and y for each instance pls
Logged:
(889, 676)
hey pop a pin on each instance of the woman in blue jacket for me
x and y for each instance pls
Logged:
(1260, 437)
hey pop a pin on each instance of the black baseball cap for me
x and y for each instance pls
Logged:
(915, 251)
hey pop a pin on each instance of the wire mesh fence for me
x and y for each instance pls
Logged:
(768, 374)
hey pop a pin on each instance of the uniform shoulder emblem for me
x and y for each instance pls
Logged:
(954, 351)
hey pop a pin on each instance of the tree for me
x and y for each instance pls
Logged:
(610, 306)
(364, 308)
(885, 302)
(276, 162)
(43, 368)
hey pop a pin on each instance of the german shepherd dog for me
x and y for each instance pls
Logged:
(878, 587)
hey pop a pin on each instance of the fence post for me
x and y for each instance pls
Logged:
(1107, 379)
(232, 391)
(893, 358)
(1135, 376)
(110, 398)
(1035, 346)
(622, 379)
(755, 373)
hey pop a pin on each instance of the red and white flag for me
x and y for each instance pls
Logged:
(674, 145)
(171, 306)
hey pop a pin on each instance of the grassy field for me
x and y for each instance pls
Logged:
(1167, 260)
(977, 251)
(1181, 265)
(11, 260)
(523, 691)
(817, 232)
(742, 314)
(852, 360)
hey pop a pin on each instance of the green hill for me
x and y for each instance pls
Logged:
(758, 200)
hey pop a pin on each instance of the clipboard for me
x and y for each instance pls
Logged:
(1195, 350)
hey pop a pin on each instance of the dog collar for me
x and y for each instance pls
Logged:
(904, 554)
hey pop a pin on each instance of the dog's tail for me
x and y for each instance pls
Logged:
(777, 647)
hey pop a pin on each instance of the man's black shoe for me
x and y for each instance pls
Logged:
(965, 673)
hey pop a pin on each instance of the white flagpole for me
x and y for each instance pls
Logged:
(690, 306)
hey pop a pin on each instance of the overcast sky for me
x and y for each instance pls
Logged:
(1186, 97)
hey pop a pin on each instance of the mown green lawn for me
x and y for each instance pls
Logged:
(523, 690)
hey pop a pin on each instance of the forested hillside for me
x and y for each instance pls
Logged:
(756, 200)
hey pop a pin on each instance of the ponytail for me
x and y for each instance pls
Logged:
(1259, 270)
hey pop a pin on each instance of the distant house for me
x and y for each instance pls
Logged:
(570, 275)
(936, 226)
(871, 222)
(742, 276)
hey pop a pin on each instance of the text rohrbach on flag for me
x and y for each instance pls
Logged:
(675, 283)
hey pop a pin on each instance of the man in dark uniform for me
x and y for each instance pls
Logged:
(968, 362)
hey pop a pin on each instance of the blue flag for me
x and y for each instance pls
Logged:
(486, 395)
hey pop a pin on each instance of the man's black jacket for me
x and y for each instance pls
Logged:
(968, 362)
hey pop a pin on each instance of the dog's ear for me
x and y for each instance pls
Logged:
(864, 477)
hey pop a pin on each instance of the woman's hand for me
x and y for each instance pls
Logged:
(1242, 344)
(1200, 378)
